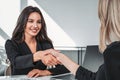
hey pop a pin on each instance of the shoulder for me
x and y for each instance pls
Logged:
(111, 61)
(10, 43)
(114, 45)
(112, 51)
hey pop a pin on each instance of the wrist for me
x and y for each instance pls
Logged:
(60, 57)
(37, 56)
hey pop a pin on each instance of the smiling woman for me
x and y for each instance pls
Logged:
(29, 48)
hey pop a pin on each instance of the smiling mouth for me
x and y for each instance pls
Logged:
(34, 30)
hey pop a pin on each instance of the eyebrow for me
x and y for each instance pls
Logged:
(32, 19)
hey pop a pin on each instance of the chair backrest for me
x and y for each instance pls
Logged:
(8, 71)
(93, 58)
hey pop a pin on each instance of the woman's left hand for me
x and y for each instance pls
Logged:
(37, 73)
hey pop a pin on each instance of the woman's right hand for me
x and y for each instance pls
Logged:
(46, 57)
(50, 60)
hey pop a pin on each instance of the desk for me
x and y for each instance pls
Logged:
(67, 76)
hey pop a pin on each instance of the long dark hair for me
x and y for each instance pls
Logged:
(18, 33)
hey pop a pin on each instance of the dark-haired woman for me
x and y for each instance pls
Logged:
(29, 48)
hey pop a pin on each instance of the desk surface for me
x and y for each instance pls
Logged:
(67, 76)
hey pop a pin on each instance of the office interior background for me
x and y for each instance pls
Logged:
(72, 25)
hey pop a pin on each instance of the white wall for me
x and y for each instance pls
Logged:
(9, 11)
(78, 18)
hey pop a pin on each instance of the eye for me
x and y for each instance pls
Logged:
(31, 21)
(39, 21)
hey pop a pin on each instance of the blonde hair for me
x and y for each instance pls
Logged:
(109, 15)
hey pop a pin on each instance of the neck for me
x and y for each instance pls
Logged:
(30, 40)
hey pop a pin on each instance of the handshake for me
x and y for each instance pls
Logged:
(49, 57)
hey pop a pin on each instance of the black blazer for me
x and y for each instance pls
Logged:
(21, 58)
(110, 70)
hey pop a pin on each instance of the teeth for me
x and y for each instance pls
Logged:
(34, 30)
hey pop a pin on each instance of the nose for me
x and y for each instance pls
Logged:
(35, 25)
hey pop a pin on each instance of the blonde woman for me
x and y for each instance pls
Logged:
(109, 15)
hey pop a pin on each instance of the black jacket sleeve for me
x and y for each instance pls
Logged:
(112, 61)
(84, 74)
(19, 61)
(60, 69)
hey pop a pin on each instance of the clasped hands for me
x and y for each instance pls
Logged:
(48, 57)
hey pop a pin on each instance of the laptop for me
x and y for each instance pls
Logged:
(66, 76)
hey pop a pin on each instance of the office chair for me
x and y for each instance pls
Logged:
(8, 71)
(93, 58)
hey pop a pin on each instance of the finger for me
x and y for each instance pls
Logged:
(54, 61)
(51, 63)
(37, 75)
(52, 50)
(55, 53)
(43, 62)
(50, 60)
(49, 50)
(46, 53)
(31, 74)
(58, 51)
(47, 63)
(58, 62)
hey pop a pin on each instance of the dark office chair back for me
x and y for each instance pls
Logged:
(93, 58)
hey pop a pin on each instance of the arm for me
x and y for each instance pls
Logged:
(19, 59)
(84, 74)
(79, 72)
(16, 58)
(68, 63)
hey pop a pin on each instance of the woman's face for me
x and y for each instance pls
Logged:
(33, 25)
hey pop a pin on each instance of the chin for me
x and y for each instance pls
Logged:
(34, 35)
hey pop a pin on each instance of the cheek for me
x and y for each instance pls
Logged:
(27, 29)
(40, 27)
(27, 26)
